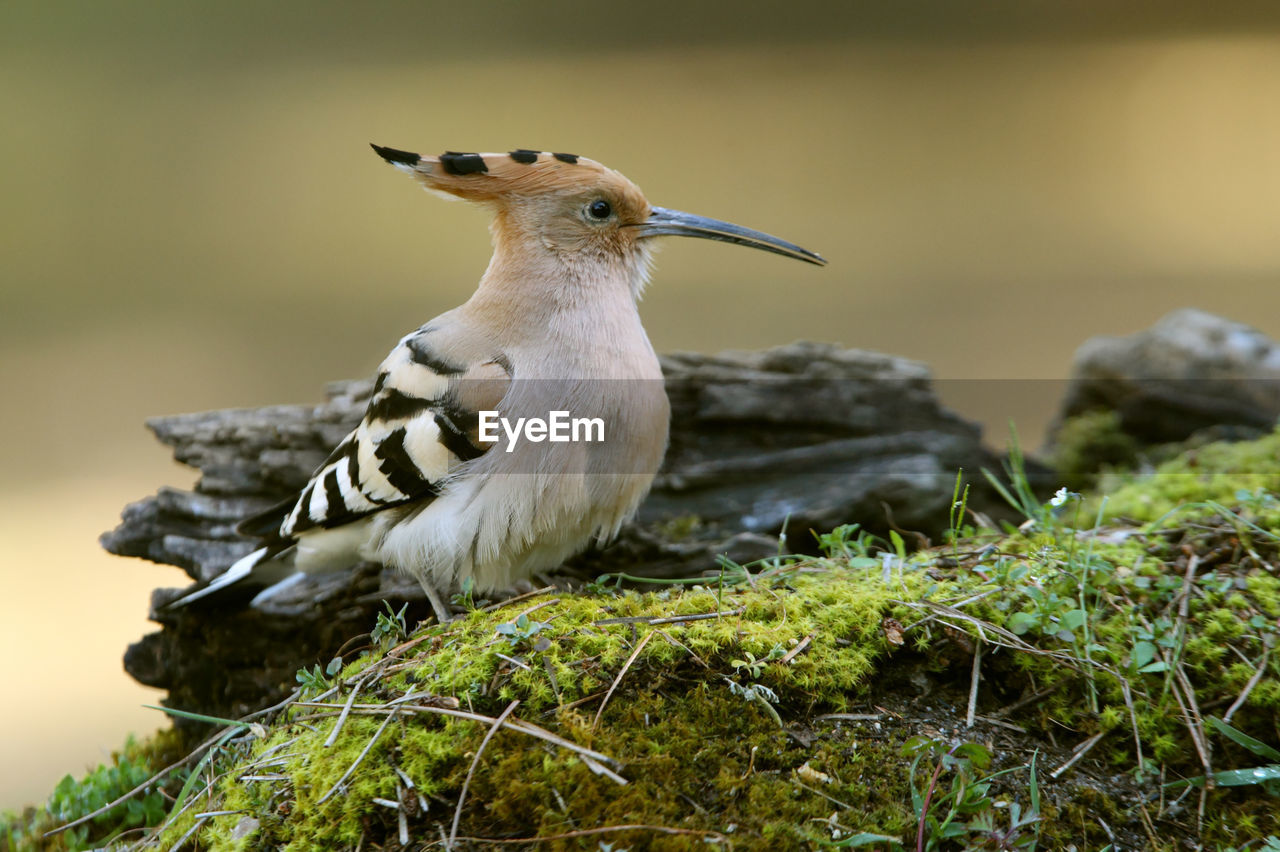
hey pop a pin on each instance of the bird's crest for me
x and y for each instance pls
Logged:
(493, 177)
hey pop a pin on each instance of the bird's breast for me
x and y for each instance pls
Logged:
(586, 395)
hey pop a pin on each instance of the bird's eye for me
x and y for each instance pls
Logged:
(599, 209)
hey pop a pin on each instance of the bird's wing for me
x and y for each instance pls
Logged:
(421, 422)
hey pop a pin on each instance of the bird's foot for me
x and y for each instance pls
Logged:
(443, 614)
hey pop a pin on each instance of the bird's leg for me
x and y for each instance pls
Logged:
(443, 613)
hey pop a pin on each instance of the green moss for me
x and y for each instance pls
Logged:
(1265, 591)
(1105, 625)
(1087, 443)
(1222, 472)
(667, 721)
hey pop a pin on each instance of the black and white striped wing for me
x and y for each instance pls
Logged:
(421, 423)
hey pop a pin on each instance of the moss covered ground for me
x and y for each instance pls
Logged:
(1103, 676)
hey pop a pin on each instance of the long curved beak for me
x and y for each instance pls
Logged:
(673, 222)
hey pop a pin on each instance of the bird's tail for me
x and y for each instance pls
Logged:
(251, 575)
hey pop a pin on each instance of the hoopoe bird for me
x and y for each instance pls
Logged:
(552, 330)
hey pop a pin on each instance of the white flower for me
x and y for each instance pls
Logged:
(1060, 497)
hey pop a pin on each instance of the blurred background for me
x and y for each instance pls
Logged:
(192, 219)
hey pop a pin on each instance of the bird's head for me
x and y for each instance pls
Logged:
(571, 207)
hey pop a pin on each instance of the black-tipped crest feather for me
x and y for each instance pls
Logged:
(394, 155)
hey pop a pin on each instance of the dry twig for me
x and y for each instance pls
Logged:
(462, 796)
(671, 619)
(346, 710)
(593, 759)
(587, 832)
(678, 644)
(797, 650)
(360, 757)
(640, 647)
(849, 717)
(1248, 687)
(518, 598)
(1081, 750)
(973, 684)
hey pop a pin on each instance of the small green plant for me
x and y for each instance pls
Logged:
(1266, 777)
(73, 799)
(1018, 493)
(1149, 638)
(1065, 598)
(1053, 614)
(957, 529)
(1271, 843)
(966, 813)
(521, 632)
(390, 627)
(602, 587)
(755, 667)
(861, 839)
(465, 597)
(850, 542)
(314, 680)
(760, 694)
(1257, 501)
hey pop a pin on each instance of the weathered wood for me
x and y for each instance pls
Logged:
(806, 435)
